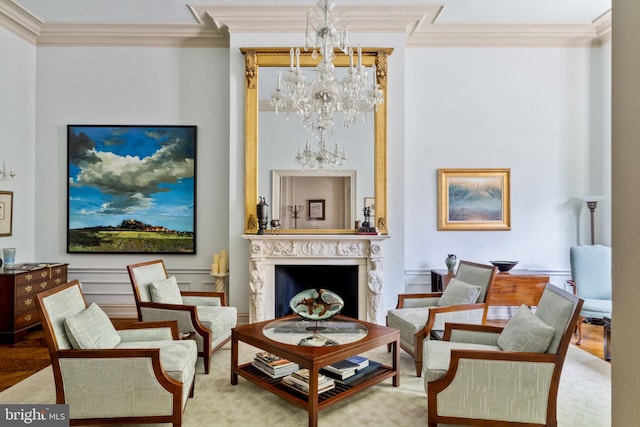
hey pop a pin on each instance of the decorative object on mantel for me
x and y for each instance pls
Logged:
(275, 225)
(320, 304)
(295, 210)
(504, 266)
(366, 228)
(450, 262)
(262, 212)
(318, 101)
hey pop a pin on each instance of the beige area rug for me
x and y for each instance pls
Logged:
(217, 402)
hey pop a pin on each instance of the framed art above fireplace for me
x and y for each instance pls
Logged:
(131, 189)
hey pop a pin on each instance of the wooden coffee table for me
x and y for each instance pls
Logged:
(370, 336)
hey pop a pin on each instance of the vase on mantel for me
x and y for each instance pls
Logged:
(450, 262)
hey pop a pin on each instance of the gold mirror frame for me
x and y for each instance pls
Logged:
(279, 57)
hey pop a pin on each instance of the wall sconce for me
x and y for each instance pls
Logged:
(4, 175)
(592, 204)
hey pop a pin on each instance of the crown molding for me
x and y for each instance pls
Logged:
(417, 22)
(19, 21)
(157, 35)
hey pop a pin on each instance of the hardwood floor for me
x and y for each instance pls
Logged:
(20, 360)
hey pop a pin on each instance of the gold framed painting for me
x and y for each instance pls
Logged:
(474, 199)
(6, 213)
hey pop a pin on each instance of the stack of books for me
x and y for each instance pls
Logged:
(350, 370)
(273, 365)
(299, 381)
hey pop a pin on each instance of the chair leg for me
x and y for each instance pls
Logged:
(388, 348)
(580, 319)
(418, 368)
(207, 363)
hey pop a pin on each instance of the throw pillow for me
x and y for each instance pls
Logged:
(459, 292)
(165, 291)
(91, 329)
(525, 332)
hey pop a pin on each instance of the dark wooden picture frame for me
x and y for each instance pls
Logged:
(316, 209)
(131, 189)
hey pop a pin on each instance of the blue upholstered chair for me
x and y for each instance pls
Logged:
(205, 313)
(133, 373)
(416, 315)
(481, 375)
(591, 281)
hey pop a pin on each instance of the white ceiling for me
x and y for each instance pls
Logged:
(178, 11)
(176, 23)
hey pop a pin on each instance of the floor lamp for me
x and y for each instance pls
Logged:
(592, 204)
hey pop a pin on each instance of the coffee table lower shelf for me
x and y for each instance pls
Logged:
(341, 391)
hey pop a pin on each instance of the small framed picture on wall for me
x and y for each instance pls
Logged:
(316, 209)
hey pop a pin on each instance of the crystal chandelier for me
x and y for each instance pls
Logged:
(317, 102)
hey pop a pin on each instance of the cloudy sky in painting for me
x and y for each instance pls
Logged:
(141, 173)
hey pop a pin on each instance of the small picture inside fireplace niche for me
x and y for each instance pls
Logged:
(316, 209)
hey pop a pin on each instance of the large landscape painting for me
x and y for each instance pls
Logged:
(131, 189)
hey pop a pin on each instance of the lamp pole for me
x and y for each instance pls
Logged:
(592, 208)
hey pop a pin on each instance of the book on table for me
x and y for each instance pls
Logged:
(299, 380)
(345, 368)
(274, 366)
(360, 373)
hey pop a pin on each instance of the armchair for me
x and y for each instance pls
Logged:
(591, 281)
(416, 315)
(492, 376)
(204, 313)
(139, 373)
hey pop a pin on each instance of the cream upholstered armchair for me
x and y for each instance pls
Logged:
(463, 301)
(205, 313)
(138, 373)
(492, 376)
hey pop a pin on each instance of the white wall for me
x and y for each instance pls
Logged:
(17, 109)
(527, 109)
(122, 86)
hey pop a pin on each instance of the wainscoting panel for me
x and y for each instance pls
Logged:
(110, 288)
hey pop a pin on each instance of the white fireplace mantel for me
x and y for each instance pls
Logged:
(269, 250)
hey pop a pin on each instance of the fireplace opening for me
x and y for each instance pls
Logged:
(340, 279)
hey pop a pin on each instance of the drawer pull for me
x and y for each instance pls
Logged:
(43, 285)
(44, 274)
(28, 288)
(27, 317)
(58, 271)
(28, 302)
(58, 281)
(28, 277)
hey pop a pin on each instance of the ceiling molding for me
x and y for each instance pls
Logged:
(19, 21)
(417, 22)
(157, 35)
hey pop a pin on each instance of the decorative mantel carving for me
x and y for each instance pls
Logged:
(270, 250)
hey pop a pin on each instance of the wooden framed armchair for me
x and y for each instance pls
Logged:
(206, 314)
(135, 373)
(416, 315)
(482, 375)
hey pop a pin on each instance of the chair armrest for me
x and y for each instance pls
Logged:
(418, 300)
(148, 331)
(476, 334)
(573, 284)
(185, 315)
(204, 298)
(434, 311)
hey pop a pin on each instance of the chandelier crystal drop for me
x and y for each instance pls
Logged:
(317, 102)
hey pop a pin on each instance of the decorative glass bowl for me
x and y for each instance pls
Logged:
(315, 304)
(504, 266)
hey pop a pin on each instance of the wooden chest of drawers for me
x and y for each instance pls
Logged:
(18, 288)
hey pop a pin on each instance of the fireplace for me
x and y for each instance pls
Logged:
(362, 253)
(341, 279)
